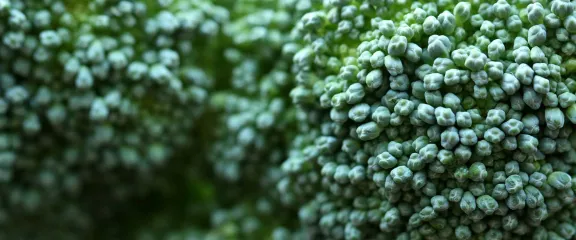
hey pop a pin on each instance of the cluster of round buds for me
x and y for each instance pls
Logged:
(440, 119)
(110, 88)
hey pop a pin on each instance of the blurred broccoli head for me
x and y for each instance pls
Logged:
(441, 119)
(96, 95)
(255, 116)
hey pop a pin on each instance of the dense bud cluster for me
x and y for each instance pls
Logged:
(254, 107)
(96, 94)
(438, 120)
(288, 119)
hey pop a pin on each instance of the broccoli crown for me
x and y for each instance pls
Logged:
(95, 96)
(435, 120)
(366, 119)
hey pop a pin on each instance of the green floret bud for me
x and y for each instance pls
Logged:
(510, 143)
(413, 52)
(393, 65)
(430, 25)
(452, 77)
(537, 55)
(571, 113)
(501, 9)
(487, 28)
(517, 200)
(386, 160)
(439, 203)
(427, 214)
(477, 172)
(459, 57)
(368, 131)
(496, 50)
(433, 81)
(442, 65)
(445, 116)
(514, 24)
(398, 45)
(401, 174)
(381, 116)
(446, 157)
(535, 13)
(559, 180)
(554, 118)
(509, 222)
(359, 112)
(468, 203)
(521, 54)
(415, 163)
(137, 71)
(455, 195)
(527, 143)
(118, 60)
(84, 79)
(387, 28)
(463, 232)
(475, 60)
(499, 177)
(439, 46)
(462, 12)
(487, 204)
(512, 168)
(341, 174)
(404, 107)
(566, 99)
(524, 74)
(494, 135)
(468, 137)
(433, 98)
(570, 24)
(428, 153)
(495, 70)
(377, 59)
(499, 192)
(495, 117)
(447, 22)
(533, 197)
(476, 20)
(400, 82)
(537, 179)
(532, 98)
(562, 8)
(514, 184)
(99, 111)
(374, 79)
(449, 138)
(541, 85)
(537, 35)
(463, 119)
(50, 38)
(355, 93)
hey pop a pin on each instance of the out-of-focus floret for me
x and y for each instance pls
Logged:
(95, 96)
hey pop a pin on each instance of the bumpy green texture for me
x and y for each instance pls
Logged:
(258, 118)
(287, 119)
(437, 120)
(257, 122)
(96, 96)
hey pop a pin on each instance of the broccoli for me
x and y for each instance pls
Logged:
(96, 96)
(435, 120)
(288, 119)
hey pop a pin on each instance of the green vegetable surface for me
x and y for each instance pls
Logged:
(287, 119)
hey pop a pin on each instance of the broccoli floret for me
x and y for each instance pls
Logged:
(488, 92)
(97, 96)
